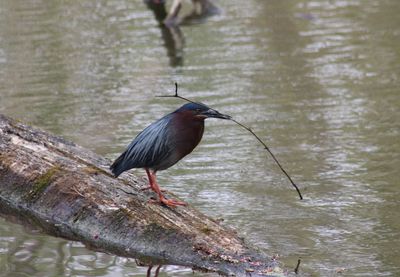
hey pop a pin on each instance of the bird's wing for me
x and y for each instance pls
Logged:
(149, 148)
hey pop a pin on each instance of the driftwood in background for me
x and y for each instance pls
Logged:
(68, 191)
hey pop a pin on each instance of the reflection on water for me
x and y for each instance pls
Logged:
(28, 253)
(171, 35)
(316, 79)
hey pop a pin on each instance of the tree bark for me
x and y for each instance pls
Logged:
(69, 192)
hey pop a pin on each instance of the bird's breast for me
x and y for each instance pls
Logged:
(186, 135)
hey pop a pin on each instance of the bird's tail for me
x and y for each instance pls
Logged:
(118, 165)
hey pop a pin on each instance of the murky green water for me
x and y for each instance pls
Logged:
(317, 80)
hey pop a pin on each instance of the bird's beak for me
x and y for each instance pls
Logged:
(215, 114)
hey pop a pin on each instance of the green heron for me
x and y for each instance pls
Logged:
(166, 141)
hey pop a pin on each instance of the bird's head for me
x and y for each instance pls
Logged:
(201, 111)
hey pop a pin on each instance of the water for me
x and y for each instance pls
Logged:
(317, 80)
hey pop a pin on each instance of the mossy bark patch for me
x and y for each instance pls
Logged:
(41, 183)
(94, 170)
(206, 230)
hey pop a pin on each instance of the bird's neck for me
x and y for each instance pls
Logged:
(190, 126)
(186, 120)
(187, 133)
(188, 116)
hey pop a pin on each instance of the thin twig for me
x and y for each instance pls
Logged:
(272, 155)
(296, 270)
(176, 95)
(249, 130)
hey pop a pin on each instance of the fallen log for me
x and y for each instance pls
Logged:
(69, 192)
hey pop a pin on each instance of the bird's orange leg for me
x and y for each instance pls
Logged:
(156, 188)
(149, 186)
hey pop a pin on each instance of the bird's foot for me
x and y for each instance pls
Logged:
(149, 187)
(145, 188)
(168, 202)
(172, 203)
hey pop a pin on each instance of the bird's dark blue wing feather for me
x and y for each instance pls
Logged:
(149, 148)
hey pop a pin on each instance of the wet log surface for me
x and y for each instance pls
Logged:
(69, 192)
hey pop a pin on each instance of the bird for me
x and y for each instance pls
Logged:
(165, 142)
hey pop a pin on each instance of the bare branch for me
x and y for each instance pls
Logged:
(296, 270)
(272, 155)
(176, 95)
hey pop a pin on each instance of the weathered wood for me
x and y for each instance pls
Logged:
(69, 192)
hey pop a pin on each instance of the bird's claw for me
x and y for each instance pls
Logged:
(168, 202)
(172, 203)
(149, 187)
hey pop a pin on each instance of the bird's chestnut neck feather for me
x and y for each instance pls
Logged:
(190, 115)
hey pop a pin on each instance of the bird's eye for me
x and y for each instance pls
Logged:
(198, 110)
